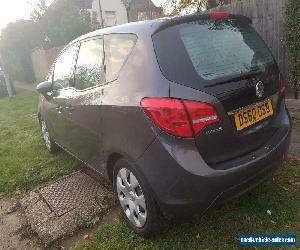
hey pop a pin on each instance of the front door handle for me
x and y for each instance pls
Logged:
(70, 108)
(59, 109)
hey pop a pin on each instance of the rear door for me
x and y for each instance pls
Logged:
(55, 106)
(228, 60)
(83, 107)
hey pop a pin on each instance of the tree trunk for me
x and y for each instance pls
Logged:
(9, 87)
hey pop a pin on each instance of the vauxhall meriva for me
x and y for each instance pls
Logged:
(178, 113)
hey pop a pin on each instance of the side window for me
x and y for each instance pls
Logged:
(89, 67)
(62, 69)
(117, 49)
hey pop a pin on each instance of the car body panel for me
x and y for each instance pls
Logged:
(125, 127)
(189, 183)
(82, 124)
(55, 116)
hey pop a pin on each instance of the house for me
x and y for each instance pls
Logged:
(139, 10)
(106, 13)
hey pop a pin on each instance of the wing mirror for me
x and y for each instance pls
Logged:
(44, 87)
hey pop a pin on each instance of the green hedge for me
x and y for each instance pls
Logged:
(292, 40)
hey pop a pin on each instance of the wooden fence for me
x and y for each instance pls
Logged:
(268, 19)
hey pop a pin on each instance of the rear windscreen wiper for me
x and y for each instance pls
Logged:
(235, 78)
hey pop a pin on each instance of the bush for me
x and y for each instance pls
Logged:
(292, 41)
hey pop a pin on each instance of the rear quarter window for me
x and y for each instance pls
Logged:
(117, 49)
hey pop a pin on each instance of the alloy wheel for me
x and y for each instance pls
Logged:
(46, 135)
(131, 197)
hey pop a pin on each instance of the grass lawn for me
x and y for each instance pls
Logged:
(24, 161)
(296, 120)
(220, 228)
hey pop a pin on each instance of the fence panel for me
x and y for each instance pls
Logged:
(42, 61)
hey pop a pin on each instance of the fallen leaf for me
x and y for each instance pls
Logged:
(86, 237)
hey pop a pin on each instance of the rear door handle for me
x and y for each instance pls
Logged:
(70, 108)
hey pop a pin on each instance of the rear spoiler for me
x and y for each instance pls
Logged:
(196, 17)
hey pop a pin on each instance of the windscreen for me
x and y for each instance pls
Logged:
(206, 51)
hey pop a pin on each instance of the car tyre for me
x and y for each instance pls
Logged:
(137, 204)
(49, 143)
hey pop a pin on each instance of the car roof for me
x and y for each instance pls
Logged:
(149, 27)
(138, 28)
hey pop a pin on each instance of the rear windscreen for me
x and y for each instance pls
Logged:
(206, 51)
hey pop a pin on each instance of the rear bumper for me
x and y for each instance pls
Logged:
(182, 181)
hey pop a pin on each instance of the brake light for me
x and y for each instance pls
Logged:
(219, 15)
(179, 118)
(282, 86)
(201, 115)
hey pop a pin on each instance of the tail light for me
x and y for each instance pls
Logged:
(179, 117)
(282, 86)
(219, 15)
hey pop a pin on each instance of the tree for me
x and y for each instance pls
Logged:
(39, 10)
(191, 6)
(60, 23)
(17, 41)
(292, 42)
(47, 28)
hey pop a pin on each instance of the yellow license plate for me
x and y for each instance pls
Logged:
(251, 115)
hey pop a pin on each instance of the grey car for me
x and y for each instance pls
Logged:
(178, 113)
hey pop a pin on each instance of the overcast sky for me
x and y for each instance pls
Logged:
(11, 10)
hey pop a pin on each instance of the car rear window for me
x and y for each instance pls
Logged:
(201, 53)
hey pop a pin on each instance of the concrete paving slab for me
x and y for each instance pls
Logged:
(59, 209)
(293, 107)
(14, 230)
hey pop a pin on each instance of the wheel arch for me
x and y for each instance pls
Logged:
(110, 163)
